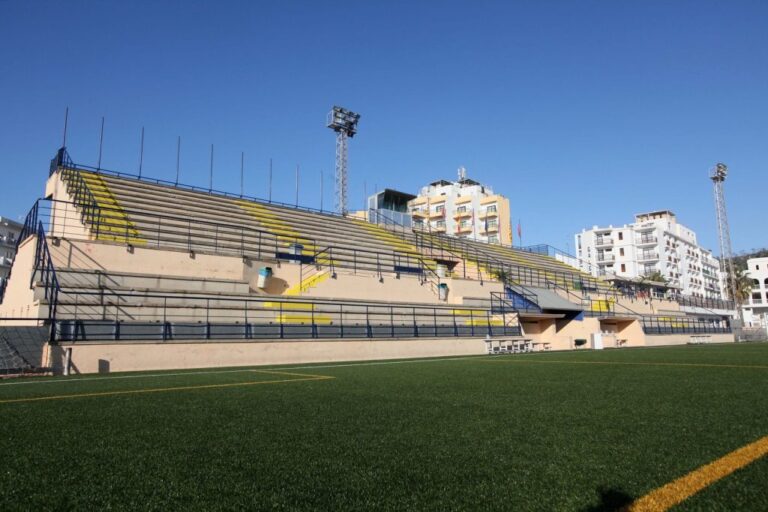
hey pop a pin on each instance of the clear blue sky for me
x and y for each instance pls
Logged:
(580, 112)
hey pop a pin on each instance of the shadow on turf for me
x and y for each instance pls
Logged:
(610, 499)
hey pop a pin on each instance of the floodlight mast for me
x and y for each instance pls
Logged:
(344, 123)
(718, 175)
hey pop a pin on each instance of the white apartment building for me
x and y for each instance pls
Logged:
(463, 208)
(9, 234)
(654, 242)
(756, 309)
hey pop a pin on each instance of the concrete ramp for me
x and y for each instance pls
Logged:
(21, 348)
(547, 300)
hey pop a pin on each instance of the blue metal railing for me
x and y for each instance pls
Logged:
(671, 325)
(110, 315)
(513, 302)
(28, 229)
(63, 161)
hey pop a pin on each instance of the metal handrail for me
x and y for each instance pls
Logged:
(67, 163)
(28, 229)
(657, 324)
(229, 238)
(505, 303)
(379, 320)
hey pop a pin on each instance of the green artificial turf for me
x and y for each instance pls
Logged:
(522, 432)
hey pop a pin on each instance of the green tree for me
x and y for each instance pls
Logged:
(655, 276)
(743, 286)
(501, 275)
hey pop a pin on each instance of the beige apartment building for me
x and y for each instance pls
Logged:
(464, 209)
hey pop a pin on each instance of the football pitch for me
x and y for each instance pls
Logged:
(586, 430)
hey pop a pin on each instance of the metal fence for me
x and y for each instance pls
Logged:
(672, 325)
(106, 315)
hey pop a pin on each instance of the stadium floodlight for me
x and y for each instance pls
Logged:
(344, 123)
(719, 173)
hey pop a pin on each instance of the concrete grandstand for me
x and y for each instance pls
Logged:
(122, 273)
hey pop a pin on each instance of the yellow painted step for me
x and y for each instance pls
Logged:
(113, 223)
(483, 322)
(308, 282)
(290, 306)
(283, 231)
(296, 318)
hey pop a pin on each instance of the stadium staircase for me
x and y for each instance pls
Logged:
(167, 217)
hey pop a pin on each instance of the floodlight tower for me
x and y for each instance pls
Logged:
(344, 123)
(718, 175)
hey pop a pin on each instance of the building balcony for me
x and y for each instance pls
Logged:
(648, 256)
(602, 242)
(439, 229)
(605, 258)
(485, 213)
(419, 214)
(437, 214)
(646, 240)
(490, 229)
(462, 214)
(463, 229)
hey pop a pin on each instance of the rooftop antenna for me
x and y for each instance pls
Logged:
(344, 123)
(462, 174)
(210, 175)
(242, 168)
(718, 175)
(178, 157)
(66, 122)
(141, 152)
(101, 143)
(297, 185)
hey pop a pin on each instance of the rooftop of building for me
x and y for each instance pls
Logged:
(5, 221)
(658, 214)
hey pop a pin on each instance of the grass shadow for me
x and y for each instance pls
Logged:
(610, 499)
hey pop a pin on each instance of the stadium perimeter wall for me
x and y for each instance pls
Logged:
(125, 357)
(656, 340)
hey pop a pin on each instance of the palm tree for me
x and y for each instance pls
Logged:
(742, 288)
(501, 275)
(656, 276)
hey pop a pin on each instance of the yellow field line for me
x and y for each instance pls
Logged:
(616, 363)
(305, 377)
(277, 372)
(684, 487)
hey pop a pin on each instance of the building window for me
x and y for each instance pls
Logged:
(493, 239)
(621, 235)
(464, 223)
(439, 208)
(491, 209)
(493, 223)
(621, 250)
(461, 209)
(623, 267)
(440, 224)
